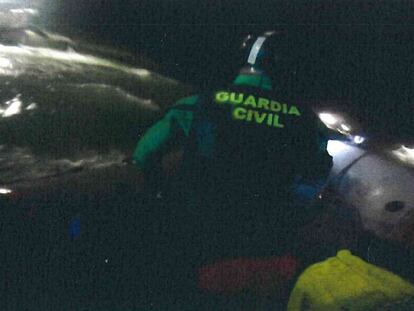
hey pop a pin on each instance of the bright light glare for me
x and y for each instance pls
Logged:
(24, 11)
(15, 107)
(335, 147)
(345, 127)
(5, 62)
(327, 118)
(5, 191)
(70, 56)
(142, 72)
(404, 154)
(358, 139)
(269, 33)
(32, 106)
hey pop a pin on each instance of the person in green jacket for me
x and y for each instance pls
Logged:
(246, 147)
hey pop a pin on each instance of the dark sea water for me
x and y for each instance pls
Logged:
(75, 231)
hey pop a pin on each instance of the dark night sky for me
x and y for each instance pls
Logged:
(357, 51)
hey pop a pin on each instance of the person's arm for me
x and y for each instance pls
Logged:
(314, 163)
(170, 131)
(325, 159)
(155, 140)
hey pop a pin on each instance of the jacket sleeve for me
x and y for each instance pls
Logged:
(323, 135)
(170, 131)
(316, 163)
(325, 159)
(346, 282)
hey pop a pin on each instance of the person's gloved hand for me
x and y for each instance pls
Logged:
(305, 191)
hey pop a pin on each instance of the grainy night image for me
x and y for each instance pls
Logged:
(206, 155)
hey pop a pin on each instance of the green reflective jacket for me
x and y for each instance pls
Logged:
(174, 128)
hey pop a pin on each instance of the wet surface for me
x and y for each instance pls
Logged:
(75, 232)
(62, 111)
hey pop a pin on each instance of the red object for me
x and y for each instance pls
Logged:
(241, 273)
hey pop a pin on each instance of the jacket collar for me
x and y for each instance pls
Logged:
(260, 81)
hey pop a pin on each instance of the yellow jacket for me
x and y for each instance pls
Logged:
(346, 282)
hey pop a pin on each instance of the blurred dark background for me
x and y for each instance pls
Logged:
(192, 37)
(357, 55)
(355, 52)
